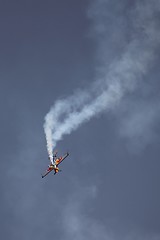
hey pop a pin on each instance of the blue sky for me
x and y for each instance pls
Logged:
(101, 58)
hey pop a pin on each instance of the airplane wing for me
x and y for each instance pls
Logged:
(46, 173)
(62, 158)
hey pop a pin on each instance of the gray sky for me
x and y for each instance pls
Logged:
(109, 185)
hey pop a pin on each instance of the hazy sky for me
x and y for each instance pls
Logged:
(101, 58)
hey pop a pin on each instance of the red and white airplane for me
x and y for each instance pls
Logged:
(54, 162)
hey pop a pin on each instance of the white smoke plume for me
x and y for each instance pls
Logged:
(116, 80)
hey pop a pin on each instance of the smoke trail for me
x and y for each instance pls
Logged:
(119, 78)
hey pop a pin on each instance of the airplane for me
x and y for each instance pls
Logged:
(54, 162)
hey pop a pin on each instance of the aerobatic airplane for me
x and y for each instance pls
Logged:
(54, 162)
